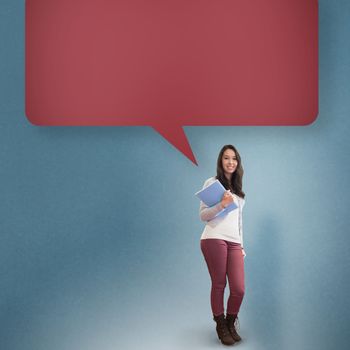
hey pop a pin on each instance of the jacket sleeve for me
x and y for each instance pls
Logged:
(208, 213)
(241, 205)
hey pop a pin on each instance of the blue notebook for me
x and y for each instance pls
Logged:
(212, 195)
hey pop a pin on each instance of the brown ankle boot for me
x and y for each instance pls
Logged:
(222, 330)
(232, 321)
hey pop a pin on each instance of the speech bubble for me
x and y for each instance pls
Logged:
(171, 63)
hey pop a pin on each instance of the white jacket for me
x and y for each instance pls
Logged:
(228, 227)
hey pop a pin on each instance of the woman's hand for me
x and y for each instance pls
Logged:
(243, 252)
(227, 199)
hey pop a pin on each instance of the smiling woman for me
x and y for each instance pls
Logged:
(222, 244)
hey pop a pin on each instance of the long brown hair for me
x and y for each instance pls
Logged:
(236, 180)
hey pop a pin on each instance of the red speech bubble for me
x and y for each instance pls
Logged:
(171, 63)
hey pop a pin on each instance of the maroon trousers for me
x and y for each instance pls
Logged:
(223, 259)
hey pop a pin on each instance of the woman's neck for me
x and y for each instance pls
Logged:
(228, 177)
(229, 182)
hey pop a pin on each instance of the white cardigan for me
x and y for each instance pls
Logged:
(228, 227)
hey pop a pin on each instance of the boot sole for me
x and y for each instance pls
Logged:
(227, 343)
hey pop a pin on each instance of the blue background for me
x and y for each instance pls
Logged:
(99, 239)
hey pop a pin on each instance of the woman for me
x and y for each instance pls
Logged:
(222, 244)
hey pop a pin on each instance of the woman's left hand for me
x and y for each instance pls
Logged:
(243, 252)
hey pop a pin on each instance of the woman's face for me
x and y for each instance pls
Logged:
(229, 162)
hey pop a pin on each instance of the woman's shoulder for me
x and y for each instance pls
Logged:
(209, 181)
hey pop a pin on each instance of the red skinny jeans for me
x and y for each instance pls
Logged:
(223, 259)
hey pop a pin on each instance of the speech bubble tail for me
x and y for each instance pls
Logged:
(177, 137)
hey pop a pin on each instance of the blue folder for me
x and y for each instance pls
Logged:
(212, 195)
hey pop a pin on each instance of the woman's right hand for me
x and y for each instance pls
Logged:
(227, 199)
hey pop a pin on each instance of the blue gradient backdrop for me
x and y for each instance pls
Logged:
(100, 230)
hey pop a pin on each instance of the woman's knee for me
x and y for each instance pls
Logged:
(219, 285)
(238, 291)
